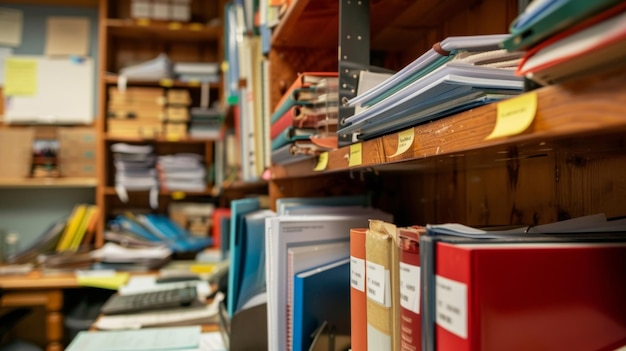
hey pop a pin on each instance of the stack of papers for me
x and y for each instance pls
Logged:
(153, 70)
(135, 170)
(457, 74)
(114, 256)
(172, 338)
(182, 172)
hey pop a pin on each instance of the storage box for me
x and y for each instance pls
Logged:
(180, 10)
(16, 152)
(140, 9)
(77, 142)
(177, 114)
(160, 10)
(178, 97)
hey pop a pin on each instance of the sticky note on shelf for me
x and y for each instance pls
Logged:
(356, 155)
(322, 162)
(405, 141)
(514, 115)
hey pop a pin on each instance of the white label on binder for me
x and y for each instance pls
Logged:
(451, 307)
(410, 287)
(378, 288)
(357, 273)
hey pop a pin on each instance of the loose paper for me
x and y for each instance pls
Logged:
(11, 27)
(67, 36)
(20, 77)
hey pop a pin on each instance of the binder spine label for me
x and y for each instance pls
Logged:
(451, 306)
(410, 287)
(378, 283)
(357, 273)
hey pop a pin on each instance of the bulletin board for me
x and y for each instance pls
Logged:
(63, 93)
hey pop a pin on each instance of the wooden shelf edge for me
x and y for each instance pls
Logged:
(164, 83)
(191, 30)
(187, 140)
(173, 193)
(68, 182)
(589, 105)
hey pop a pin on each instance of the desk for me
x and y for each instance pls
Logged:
(36, 289)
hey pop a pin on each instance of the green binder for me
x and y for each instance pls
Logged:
(552, 21)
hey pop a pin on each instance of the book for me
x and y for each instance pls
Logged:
(540, 295)
(239, 208)
(381, 275)
(283, 232)
(358, 299)
(321, 295)
(303, 258)
(585, 47)
(409, 287)
(252, 258)
(73, 223)
(303, 80)
(290, 135)
(546, 18)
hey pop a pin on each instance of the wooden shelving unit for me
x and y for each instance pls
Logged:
(19, 183)
(127, 41)
(568, 163)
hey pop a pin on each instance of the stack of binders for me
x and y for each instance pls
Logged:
(457, 74)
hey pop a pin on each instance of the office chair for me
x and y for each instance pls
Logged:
(7, 322)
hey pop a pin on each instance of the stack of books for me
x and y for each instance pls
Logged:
(205, 123)
(135, 170)
(181, 172)
(135, 112)
(304, 122)
(457, 74)
(177, 113)
(199, 72)
(565, 39)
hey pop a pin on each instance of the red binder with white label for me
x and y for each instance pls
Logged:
(559, 296)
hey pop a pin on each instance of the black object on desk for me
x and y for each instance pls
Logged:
(162, 299)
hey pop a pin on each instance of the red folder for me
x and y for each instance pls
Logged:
(410, 293)
(559, 296)
(358, 299)
(216, 225)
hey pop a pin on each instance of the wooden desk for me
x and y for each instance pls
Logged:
(36, 289)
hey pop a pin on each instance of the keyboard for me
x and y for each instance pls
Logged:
(162, 299)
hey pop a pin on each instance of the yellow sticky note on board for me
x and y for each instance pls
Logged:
(20, 77)
(322, 162)
(514, 115)
(178, 195)
(356, 155)
(405, 141)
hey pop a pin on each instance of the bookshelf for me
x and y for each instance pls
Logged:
(568, 163)
(126, 40)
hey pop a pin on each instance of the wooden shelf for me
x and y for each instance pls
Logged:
(18, 183)
(315, 23)
(174, 194)
(165, 83)
(158, 30)
(589, 106)
(73, 3)
(186, 140)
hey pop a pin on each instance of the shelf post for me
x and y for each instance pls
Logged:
(354, 53)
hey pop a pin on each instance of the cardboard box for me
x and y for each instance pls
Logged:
(16, 152)
(178, 97)
(178, 114)
(77, 142)
(140, 8)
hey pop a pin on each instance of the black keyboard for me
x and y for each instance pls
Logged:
(163, 299)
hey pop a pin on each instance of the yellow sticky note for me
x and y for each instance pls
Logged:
(20, 77)
(143, 22)
(178, 195)
(515, 115)
(193, 83)
(174, 25)
(196, 26)
(405, 140)
(108, 281)
(356, 155)
(322, 162)
(167, 83)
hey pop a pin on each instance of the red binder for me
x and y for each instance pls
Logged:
(559, 296)
(410, 292)
(358, 299)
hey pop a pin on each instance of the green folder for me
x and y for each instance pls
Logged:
(553, 21)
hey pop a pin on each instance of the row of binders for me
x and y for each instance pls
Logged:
(320, 269)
